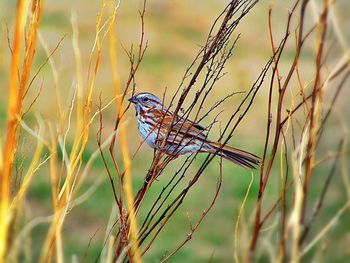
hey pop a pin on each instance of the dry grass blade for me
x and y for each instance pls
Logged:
(124, 145)
(235, 236)
(17, 88)
(289, 76)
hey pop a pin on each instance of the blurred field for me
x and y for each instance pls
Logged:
(174, 31)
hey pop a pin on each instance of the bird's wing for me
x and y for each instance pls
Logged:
(183, 126)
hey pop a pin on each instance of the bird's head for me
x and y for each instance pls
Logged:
(145, 101)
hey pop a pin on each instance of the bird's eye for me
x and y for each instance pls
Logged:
(145, 99)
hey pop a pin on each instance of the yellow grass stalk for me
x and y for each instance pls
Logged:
(1, 158)
(280, 254)
(83, 114)
(294, 226)
(124, 147)
(54, 75)
(63, 196)
(16, 95)
(235, 251)
(35, 164)
(108, 251)
(344, 167)
(324, 230)
(11, 128)
(33, 167)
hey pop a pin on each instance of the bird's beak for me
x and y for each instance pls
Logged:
(132, 100)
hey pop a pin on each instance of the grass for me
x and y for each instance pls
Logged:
(172, 44)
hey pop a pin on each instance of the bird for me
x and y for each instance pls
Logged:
(185, 136)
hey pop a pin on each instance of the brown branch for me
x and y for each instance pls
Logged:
(194, 228)
(264, 175)
(316, 95)
(319, 202)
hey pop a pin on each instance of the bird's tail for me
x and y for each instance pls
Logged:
(239, 157)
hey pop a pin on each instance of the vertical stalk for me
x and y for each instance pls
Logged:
(124, 149)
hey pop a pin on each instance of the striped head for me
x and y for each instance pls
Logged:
(149, 112)
(146, 101)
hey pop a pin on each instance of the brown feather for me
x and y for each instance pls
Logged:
(237, 156)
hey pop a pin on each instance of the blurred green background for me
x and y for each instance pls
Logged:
(174, 30)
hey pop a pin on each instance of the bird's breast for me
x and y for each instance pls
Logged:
(147, 130)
